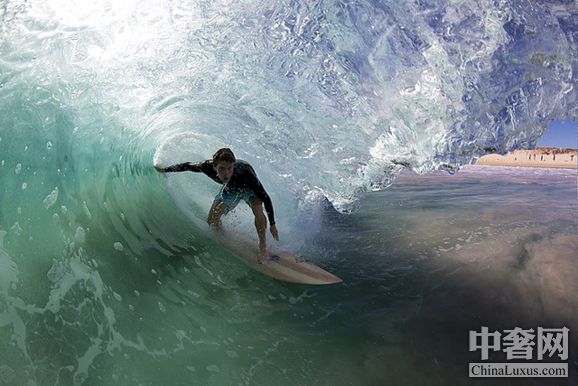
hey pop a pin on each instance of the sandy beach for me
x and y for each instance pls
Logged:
(537, 158)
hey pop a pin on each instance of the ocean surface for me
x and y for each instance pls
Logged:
(357, 116)
(423, 263)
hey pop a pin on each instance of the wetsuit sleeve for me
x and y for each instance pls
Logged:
(200, 167)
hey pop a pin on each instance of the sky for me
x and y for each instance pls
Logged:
(560, 133)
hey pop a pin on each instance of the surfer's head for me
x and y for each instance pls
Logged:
(224, 163)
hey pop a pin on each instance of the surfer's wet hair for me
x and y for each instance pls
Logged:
(223, 155)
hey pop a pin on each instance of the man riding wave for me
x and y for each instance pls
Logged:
(239, 182)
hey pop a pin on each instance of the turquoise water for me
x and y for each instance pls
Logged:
(423, 263)
(107, 273)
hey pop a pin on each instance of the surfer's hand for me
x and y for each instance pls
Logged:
(274, 232)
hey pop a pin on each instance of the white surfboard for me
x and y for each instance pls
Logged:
(282, 265)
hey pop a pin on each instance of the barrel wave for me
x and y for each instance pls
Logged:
(327, 100)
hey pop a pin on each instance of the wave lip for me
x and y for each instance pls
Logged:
(329, 96)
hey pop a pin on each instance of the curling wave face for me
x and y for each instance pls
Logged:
(326, 98)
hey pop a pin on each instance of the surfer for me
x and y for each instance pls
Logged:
(239, 182)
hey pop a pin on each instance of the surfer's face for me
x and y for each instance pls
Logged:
(225, 170)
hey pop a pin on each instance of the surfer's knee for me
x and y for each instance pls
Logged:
(212, 221)
(260, 218)
(256, 205)
(258, 212)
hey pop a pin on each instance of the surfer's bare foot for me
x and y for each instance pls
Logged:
(263, 255)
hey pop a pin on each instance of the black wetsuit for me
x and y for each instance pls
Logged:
(244, 178)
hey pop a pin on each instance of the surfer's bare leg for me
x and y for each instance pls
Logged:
(261, 226)
(215, 213)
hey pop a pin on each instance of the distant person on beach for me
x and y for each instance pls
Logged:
(239, 182)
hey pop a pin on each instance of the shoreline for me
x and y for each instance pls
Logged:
(529, 166)
(537, 158)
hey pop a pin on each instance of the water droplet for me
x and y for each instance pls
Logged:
(48, 145)
(86, 211)
(24, 186)
(80, 235)
(16, 229)
(18, 168)
(118, 246)
(181, 335)
(51, 198)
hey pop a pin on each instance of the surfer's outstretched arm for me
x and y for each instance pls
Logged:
(184, 167)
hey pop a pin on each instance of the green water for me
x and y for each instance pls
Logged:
(139, 296)
(108, 275)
